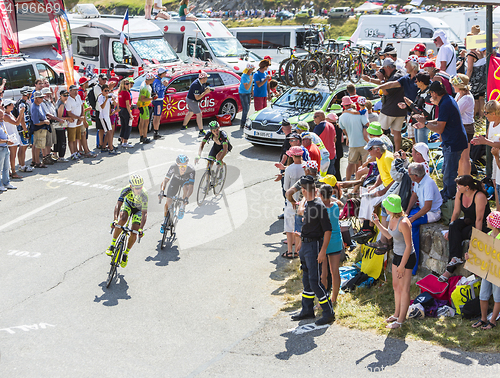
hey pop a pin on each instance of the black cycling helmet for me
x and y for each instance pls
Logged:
(213, 125)
(181, 159)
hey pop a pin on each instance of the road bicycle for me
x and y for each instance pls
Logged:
(171, 219)
(406, 29)
(211, 179)
(120, 246)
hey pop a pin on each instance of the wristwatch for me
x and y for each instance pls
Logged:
(426, 122)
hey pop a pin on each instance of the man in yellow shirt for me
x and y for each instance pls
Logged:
(374, 195)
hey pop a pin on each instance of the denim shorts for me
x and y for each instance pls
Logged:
(487, 288)
(299, 221)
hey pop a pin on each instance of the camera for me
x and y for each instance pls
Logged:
(110, 96)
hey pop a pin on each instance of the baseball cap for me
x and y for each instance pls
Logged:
(46, 91)
(203, 75)
(375, 142)
(310, 164)
(412, 58)
(25, 90)
(362, 100)
(388, 62)
(389, 49)
(72, 87)
(294, 136)
(375, 128)
(83, 80)
(393, 203)
(268, 57)
(420, 47)
(103, 76)
(436, 86)
(161, 70)
(306, 135)
(422, 149)
(285, 122)
(430, 63)
(306, 181)
(250, 66)
(329, 179)
(332, 117)
(64, 92)
(295, 151)
(150, 76)
(38, 94)
(302, 126)
(7, 102)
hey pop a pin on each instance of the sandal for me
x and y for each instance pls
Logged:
(394, 325)
(290, 256)
(16, 176)
(479, 323)
(455, 261)
(391, 319)
(443, 278)
(488, 325)
(40, 165)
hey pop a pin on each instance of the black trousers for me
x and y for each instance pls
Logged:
(60, 146)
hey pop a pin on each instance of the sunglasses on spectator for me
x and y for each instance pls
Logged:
(486, 113)
(106, 90)
(65, 95)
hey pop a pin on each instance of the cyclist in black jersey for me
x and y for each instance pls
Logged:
(221, 143)
(182, 175)
(133, 202)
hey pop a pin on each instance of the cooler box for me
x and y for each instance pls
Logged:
(224, 119)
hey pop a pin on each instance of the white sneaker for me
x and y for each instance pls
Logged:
(10, 186)
(26, 168)
(3, 188)
(130, 145)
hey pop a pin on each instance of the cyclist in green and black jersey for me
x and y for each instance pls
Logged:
(221, 143)
(133, 202)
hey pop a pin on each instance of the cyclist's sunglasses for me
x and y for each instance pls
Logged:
(184, 166)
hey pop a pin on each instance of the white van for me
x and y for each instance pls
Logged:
(266, 40)
(404, 46)
(210, 39)
(20, 72)
(378, 27)
(462, 20)
(340, 12)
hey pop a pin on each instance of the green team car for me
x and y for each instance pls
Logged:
(298, 104)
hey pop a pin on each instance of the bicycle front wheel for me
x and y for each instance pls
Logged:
(281, 71)
(175, 218)
(164, 236)
(220, 178)
(310, 74)
(203, 188)
(356, 69)
(115, 260)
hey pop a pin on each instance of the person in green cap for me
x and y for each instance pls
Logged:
(374, 130)
(398, 229)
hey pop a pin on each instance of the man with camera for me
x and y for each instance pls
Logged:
(198, 89)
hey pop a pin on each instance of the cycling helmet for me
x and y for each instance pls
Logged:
(213, 125)
(150, 76)
(136, 180)
(181, 159)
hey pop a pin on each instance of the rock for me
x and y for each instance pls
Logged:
(434, 265)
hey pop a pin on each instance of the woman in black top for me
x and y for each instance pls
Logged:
(471, 199)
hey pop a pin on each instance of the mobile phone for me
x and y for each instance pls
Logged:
(374, 217)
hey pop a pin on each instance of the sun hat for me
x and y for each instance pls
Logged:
(375, 142)
(38, 94)
(46, 91)
(7, 101)
(310, 164)
(441, 34)
(420, 47)
(362, 100)
(375, 128)
(460, 81)
(475, 29)
(346, 100)
(422, 149)
(203, 75)
(83, 80)
(494, 218)
(332, 117)
(295, 151)
(329, 179)
(392, 203)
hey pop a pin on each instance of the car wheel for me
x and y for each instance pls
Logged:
(229, 107)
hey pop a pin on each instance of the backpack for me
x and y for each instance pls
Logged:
(471, 309)
(91, 99)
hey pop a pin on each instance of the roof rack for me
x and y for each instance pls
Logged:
(13, 57)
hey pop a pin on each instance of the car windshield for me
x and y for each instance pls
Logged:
(154, 50)
(302, 98)
(224, 47)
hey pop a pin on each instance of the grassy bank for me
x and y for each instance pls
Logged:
(366, 309)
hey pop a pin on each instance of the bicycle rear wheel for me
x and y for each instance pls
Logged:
(220, 178)
(203, 188)
(289, 70)
(356, 69)
(310, 73)
(282, 71)
(298, 73)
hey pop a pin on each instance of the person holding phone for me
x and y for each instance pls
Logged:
(261, 87)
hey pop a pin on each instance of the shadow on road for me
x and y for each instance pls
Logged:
(301, 343)
(263, 153)
(275, 228)
(117, 290)
(467, 358)
(390, 355)
(170, 253)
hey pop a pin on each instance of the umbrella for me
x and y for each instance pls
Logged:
(368, 7)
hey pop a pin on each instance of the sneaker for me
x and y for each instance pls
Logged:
(181, 212)
(113, 152)
(162, 230)
(104, 150)
(129, 145)
(157, 136)
(74, 157)
(62, 160)
(110, 250)
(184, 127)
(201, 133)
(10, 186)
(26, 168)
(146, 140)
(123, 264)
(3, 188)
(325, 319)
(363, 236)
(124, 145)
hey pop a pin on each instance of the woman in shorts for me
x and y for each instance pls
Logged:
(398, 229)
(104, 102)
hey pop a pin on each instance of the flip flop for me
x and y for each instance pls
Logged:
(289, 256)
(391, 319)
(394, 325)
(479, 323)
(487, 326)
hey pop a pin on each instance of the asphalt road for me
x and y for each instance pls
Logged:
(208, 305)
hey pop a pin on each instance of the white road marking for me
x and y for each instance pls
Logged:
(15, 252)
(33, 212)
(139, 170)
(27, 328)
(305, 328)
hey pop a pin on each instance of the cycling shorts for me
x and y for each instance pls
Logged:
(157, 107)
(132, 211)
(144, 112)
(216, 148)
(174, 185)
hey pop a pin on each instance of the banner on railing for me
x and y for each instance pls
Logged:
(494, 79)
(8, 16)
